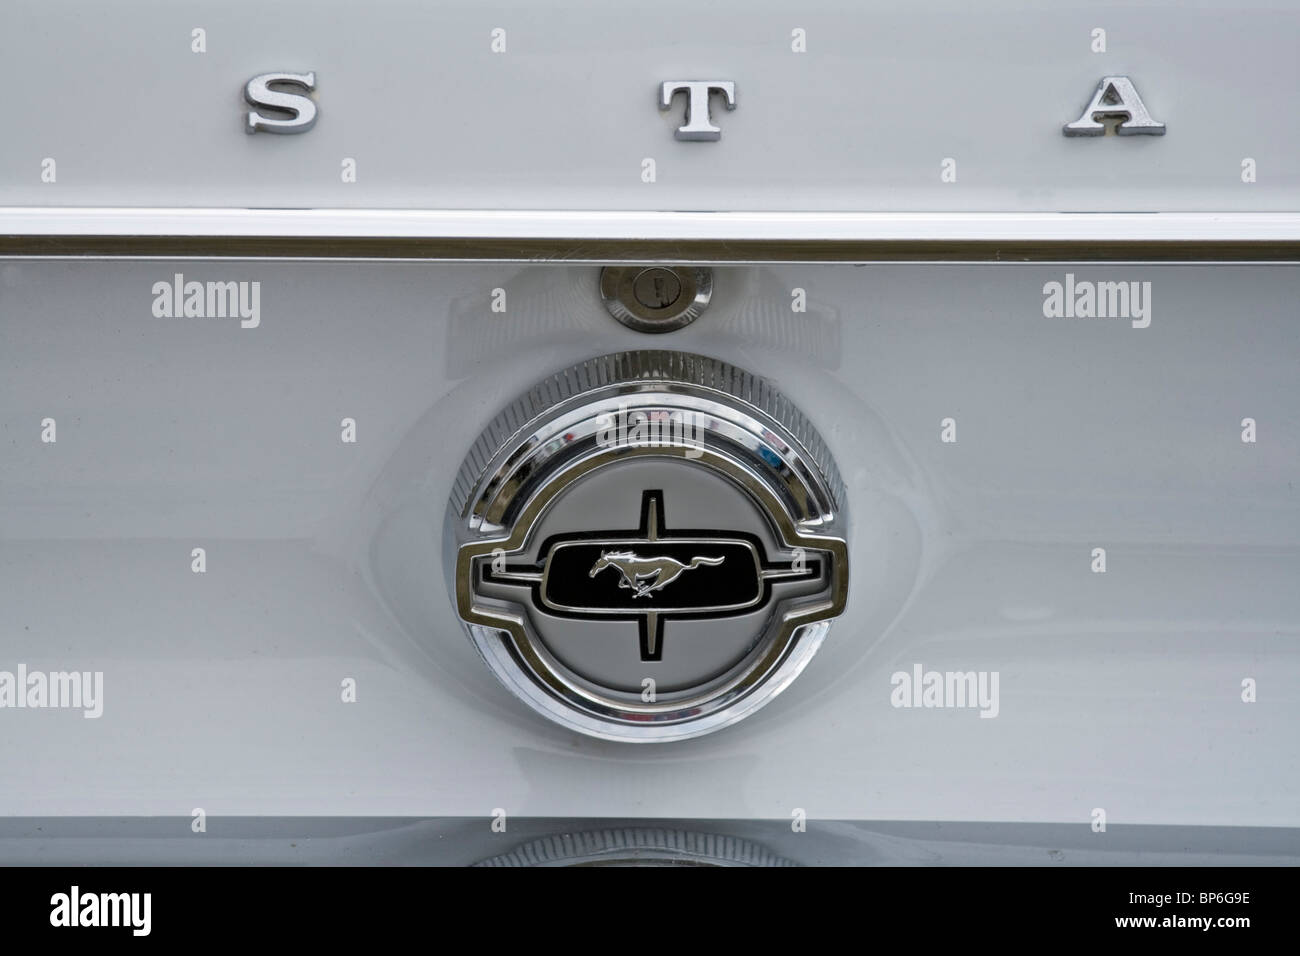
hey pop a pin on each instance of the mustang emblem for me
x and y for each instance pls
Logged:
(646, 575)
(648, 560)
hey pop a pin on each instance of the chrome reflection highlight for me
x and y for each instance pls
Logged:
(541, 501)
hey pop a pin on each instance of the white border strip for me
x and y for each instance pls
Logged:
(634, 225)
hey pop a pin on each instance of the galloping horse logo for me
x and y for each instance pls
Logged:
(646, 575)
(648, 560)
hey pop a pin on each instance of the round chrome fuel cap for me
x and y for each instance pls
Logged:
(649, 545)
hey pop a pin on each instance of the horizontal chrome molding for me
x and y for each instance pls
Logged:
(460, 841)
(610, 237)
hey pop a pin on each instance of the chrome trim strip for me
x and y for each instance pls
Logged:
(634, 224)
(633, 236)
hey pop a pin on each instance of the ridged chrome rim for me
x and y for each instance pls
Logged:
(756, 439)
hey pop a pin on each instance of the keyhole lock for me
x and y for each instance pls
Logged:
(657, 288)
(655, 298)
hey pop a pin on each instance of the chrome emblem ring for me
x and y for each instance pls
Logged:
(649, 546)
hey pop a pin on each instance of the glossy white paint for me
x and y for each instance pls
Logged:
(222, 690)
(564, 118)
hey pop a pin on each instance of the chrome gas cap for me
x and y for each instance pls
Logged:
(649, 545)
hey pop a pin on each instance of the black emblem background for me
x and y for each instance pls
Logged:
(736, 581)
